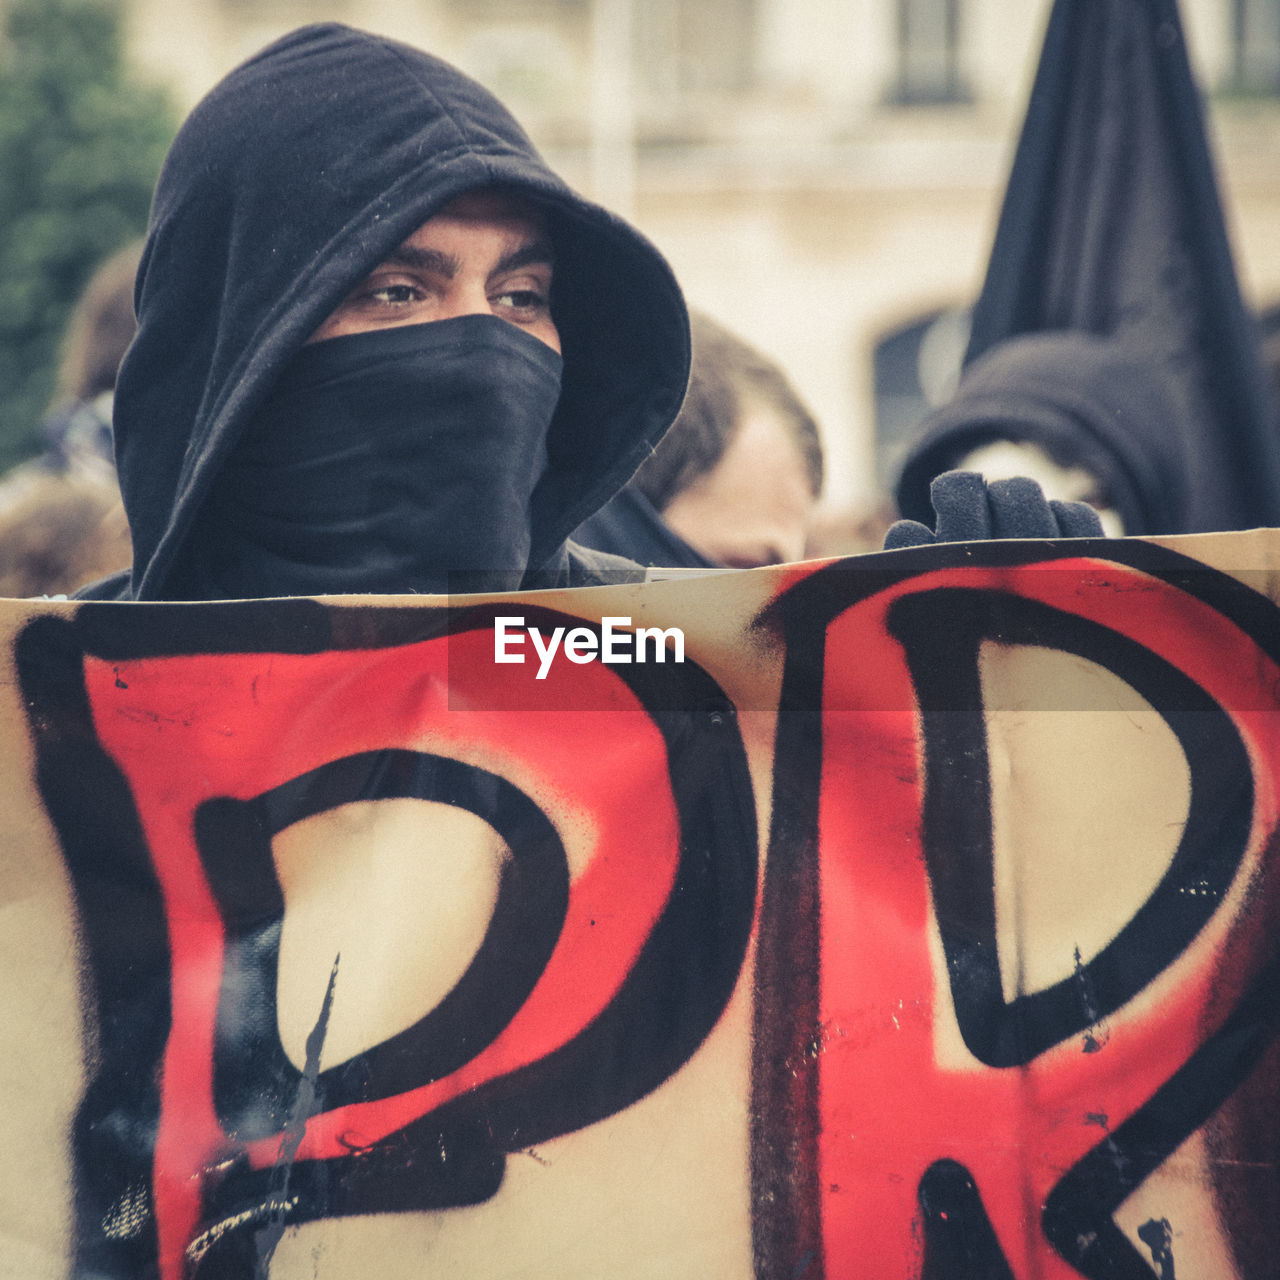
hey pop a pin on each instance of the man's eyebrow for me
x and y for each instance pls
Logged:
(410, 256)
(534, 253)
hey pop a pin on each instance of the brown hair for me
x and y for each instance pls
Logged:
(101, 327)
(727, 375)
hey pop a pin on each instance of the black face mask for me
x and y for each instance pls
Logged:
(400, 460)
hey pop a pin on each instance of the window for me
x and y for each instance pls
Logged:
(928, 53)
(1255, 47)
(687, 48)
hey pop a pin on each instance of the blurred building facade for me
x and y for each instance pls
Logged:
(823, 174)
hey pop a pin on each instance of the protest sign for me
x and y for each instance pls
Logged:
(910, 915)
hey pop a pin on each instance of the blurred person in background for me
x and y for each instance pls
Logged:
(735, 482)
(62, 524)
(59, 533)
(1089, 418)
(77, 428)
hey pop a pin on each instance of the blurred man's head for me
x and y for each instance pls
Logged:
(739, 474)
(77, 425)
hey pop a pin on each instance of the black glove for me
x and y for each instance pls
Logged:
(969, 510)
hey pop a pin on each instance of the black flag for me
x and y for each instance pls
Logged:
(1110, 328)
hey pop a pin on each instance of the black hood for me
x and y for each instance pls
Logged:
(288, 183)
(1087, 401)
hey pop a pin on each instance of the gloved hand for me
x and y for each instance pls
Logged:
(969, 509)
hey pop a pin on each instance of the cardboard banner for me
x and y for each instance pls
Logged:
(906, 916)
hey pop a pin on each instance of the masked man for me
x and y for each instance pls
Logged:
(381, 346)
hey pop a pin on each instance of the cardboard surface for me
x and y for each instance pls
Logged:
(920, 922)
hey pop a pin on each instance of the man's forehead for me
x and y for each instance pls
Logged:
(491, 205)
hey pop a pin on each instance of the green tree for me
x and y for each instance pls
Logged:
(80, 146)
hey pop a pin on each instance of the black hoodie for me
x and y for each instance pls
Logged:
(1088, 402)
(288, 183)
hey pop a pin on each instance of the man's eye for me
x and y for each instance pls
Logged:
(530, 300)
(395, 295)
